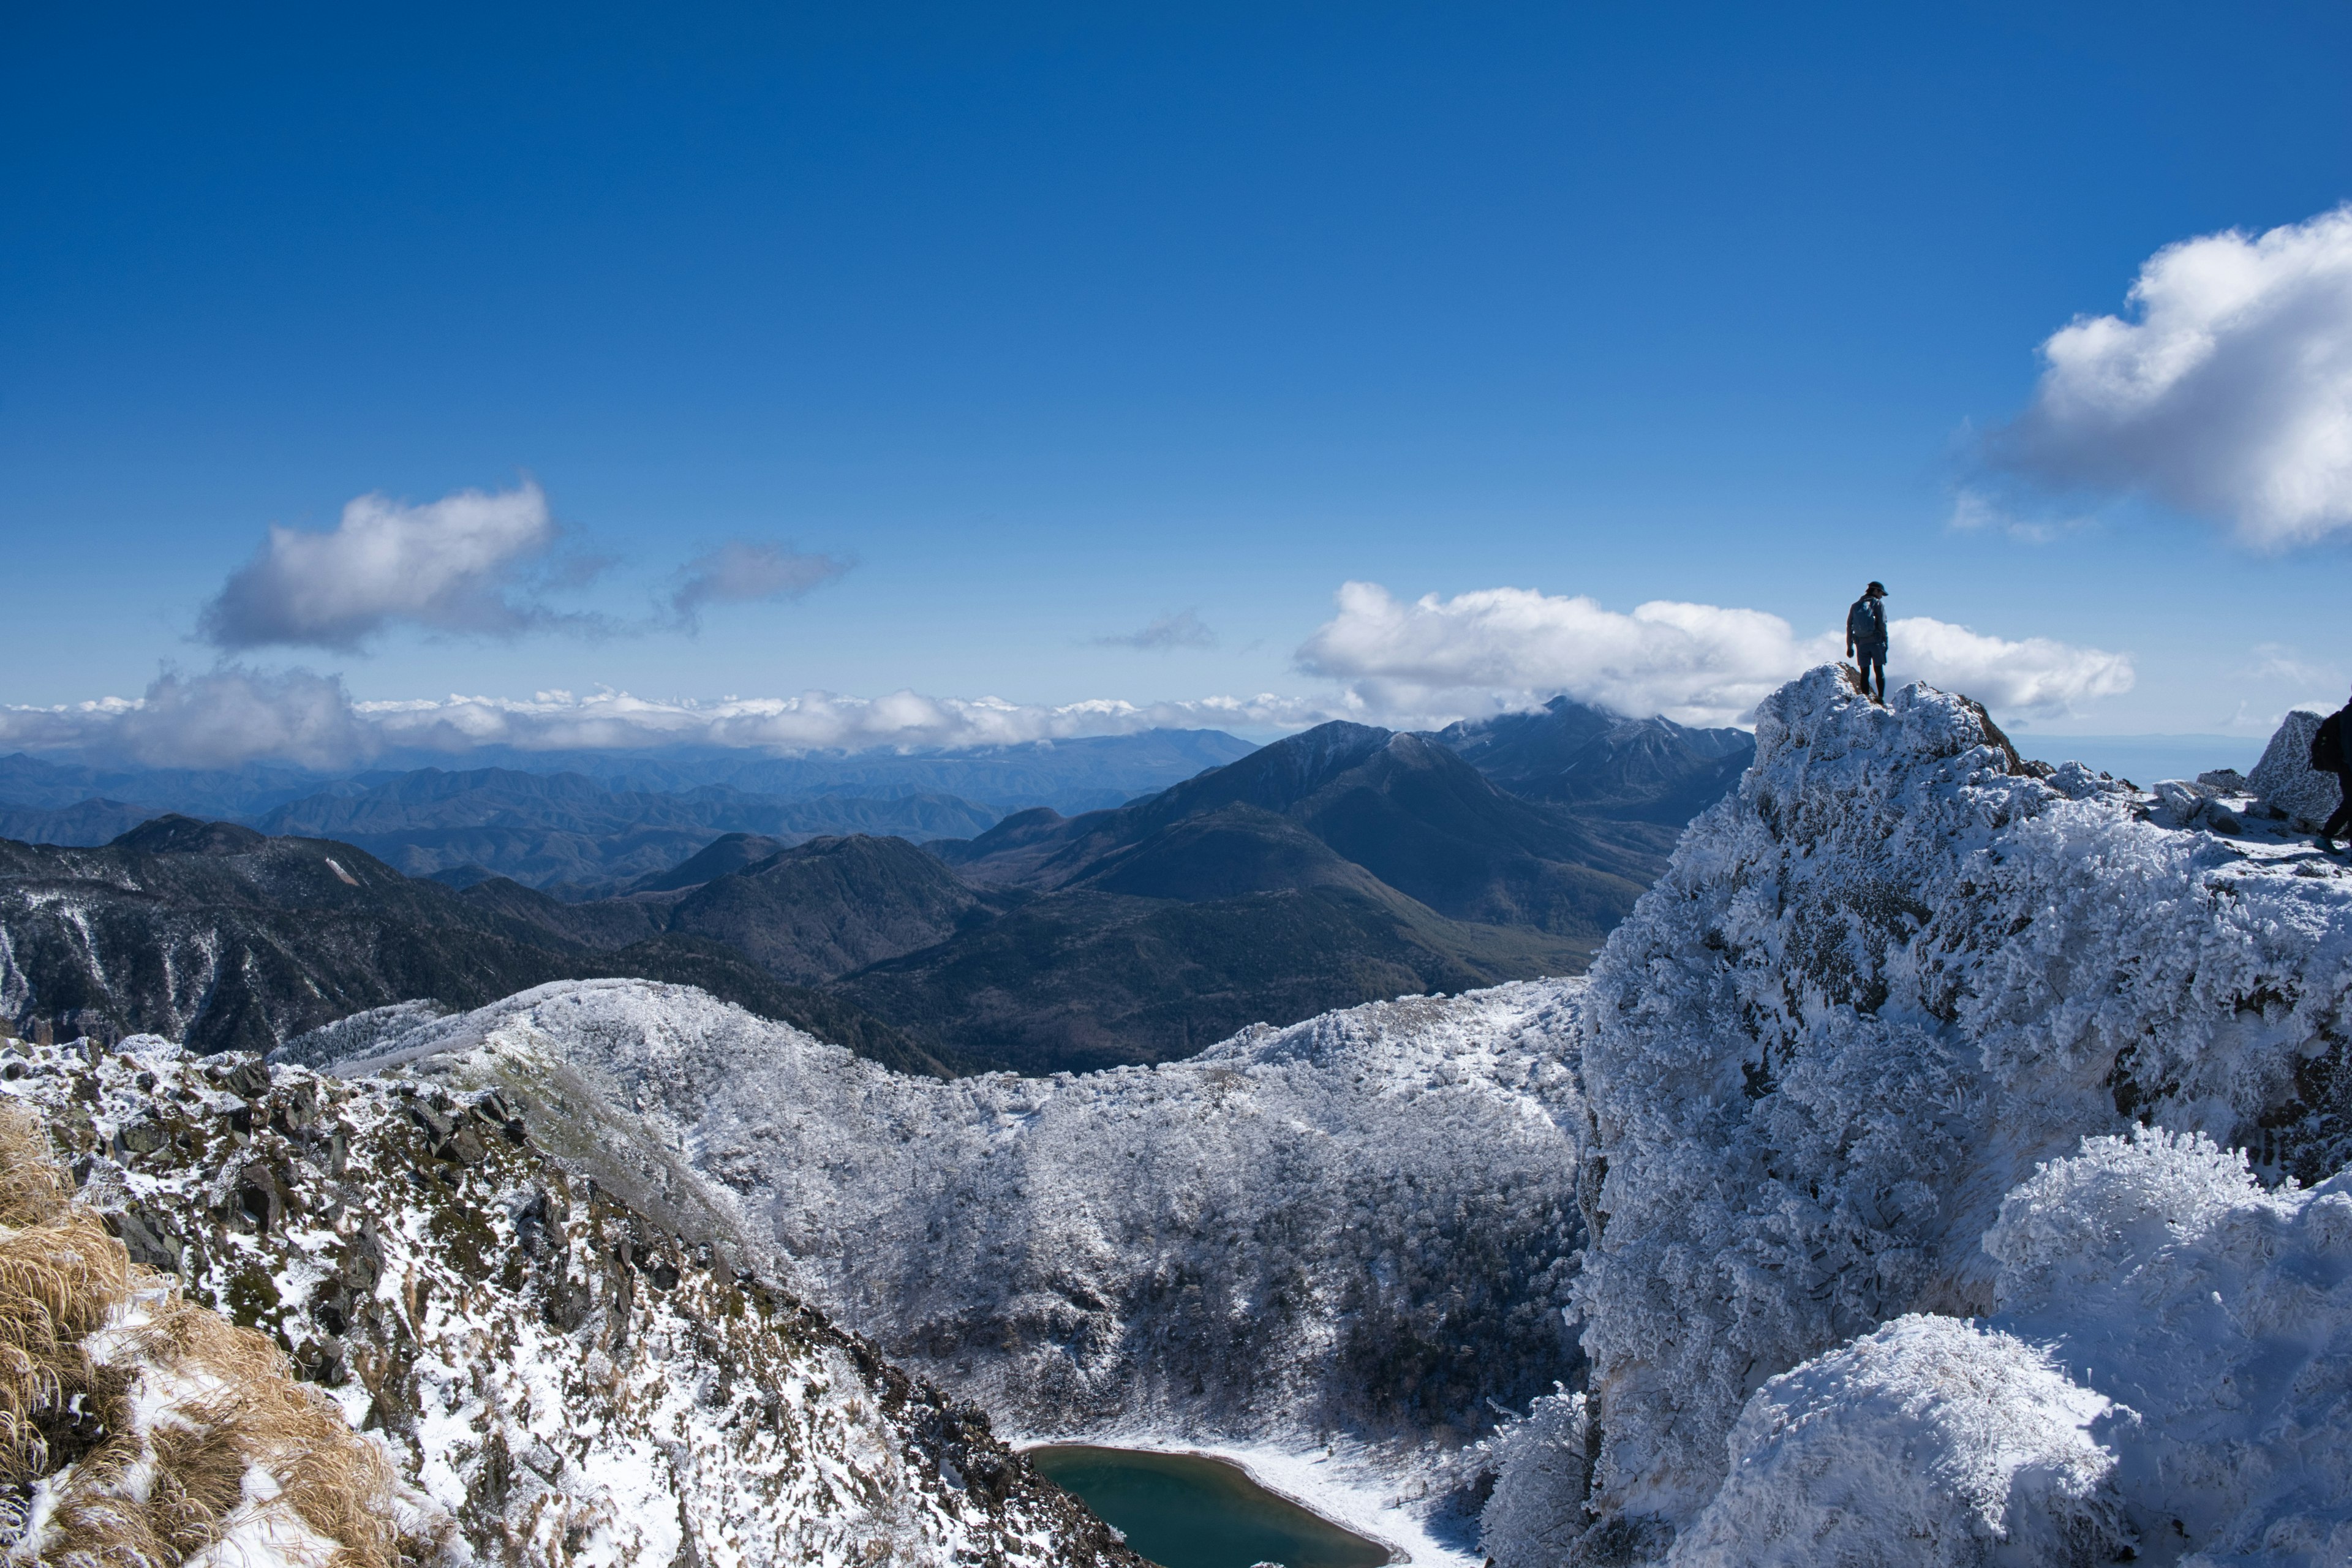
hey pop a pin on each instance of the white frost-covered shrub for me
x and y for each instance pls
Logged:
(2167, 1278)
(1537, 1510)
(1930, 1443)
(1874, 991)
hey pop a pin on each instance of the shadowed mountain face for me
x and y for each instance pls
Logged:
(729, 852)
(1401, 807)
(820, 909)
(215, 934)
(1629, 770)
(1078, 980)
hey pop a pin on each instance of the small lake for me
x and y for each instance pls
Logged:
(1185, 1511)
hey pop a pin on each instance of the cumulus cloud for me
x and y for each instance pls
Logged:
(2225, 390)
(1183, 629)
(743, 571)
(454, 565)
(234, 716)
(1500, 649)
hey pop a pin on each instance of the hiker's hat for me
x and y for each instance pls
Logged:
(1877, 588)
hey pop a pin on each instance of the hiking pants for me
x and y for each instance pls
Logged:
(2341, 824)
(1870, 659)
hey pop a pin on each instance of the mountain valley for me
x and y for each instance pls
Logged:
(1939, 1103)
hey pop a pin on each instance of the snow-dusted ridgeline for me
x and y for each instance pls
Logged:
(570, 1379)
(1877, 993)
(1359, 1229)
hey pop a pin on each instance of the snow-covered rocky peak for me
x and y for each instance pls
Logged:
(1895, 974)
(563, 1376)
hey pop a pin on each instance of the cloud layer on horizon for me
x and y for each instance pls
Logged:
(1417, 665)
(1501, 648)
(2226, 391)
(227, 717)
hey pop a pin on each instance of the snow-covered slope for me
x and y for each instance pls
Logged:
(1360, 1228)
(572, 1377)
(1879, 989)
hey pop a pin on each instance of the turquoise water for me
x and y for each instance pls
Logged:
(1183, 1511)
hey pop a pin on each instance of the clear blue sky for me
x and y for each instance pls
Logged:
(1060, 320)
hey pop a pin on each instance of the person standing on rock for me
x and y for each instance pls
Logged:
(2331, 752)
(1865, 638)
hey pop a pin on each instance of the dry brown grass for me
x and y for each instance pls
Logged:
(156, 1495)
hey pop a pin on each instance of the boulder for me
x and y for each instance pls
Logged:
(2285, 781)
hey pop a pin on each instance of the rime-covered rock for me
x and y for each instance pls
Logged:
(2163, 1276)
(2287, 783)
(1878, 988)
(1929, 1442)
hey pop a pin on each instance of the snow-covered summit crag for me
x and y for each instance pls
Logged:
(1892, 980)
(565, 1378)
(1358, 1230)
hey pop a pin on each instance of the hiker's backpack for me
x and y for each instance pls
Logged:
(2327, 743)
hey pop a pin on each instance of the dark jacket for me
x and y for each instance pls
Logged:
(2336, 727)
(1866, 623)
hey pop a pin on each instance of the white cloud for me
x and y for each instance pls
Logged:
(2036, 675)
(2227, 392)
(1183, 629)
(214, 720)
(1500, 649)
(743, 571)
(453, 564)
(234, 716)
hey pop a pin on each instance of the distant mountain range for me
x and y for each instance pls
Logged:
(1341, 865)
(586, 823)
(1070, 775)
(570, 833)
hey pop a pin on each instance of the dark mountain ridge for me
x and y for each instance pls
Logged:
(215, 934)
(1602, 765)
(1401, 806)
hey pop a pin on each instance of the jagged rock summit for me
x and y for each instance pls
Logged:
(1917, 1235)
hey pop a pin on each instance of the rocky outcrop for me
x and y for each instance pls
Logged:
(573, 1376)
(1878, 989)
(2285, 781)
